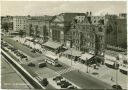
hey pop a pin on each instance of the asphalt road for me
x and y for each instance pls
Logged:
(85, 81)
(81, 79)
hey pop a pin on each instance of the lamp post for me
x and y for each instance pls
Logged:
(117, 58)
(87, 65)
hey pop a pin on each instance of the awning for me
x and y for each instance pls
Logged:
(36, 40)
(29, 38)
(123, 68)
(52, 44)
(51, 55)
(86, 56)
(109, 62)
(73, 52)
(41, 41)
(109, 57)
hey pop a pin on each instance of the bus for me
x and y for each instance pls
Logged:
(51, 59)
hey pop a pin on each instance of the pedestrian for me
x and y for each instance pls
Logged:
(78, 70)
(111, 78)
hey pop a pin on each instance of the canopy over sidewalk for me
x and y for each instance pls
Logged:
(51, 55)
(124, 68)
(52, 44)
(109, 57)
(86, 56)
(29, 38)
(73, 52)
(109, 62)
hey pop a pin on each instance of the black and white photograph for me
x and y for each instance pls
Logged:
(64, 45)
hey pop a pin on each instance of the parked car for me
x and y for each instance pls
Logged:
(61, 82)
(117, 87)
(44, 82)
(40, 52)
(57, 78)
(71, 87)
(31, 64)
(33, 50)
(13, 49)
(42, 64)
(65, 84)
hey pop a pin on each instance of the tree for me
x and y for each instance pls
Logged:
(21, 33)
(6, 26)
(36, 31)
(30, 30)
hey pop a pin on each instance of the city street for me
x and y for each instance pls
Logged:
(86, 81)
(72, 74)
(103, 72)
(64, 45)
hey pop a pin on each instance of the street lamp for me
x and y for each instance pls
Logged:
(116, 65)
(71, 56)
(87, 65)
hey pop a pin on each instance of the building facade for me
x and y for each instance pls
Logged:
(100, 27)
(116, 31)
(38, 27)
(59, 26)
(87, 34)
(8, 20)
(81, 35)
(20, 23)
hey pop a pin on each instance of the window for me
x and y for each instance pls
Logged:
(100, 29)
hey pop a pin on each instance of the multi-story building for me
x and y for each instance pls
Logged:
(81, 35)
(38, 26)
(87, 34)
(19, 23)
(59, 26)
(116, 31)
(7, 20)
(100, 25)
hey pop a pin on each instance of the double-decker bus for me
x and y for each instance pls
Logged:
(51, 59)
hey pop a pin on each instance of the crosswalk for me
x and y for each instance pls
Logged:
(63, 71)
(53, 73)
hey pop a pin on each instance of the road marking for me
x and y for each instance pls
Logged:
(63, 71)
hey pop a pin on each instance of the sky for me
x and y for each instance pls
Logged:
(39, 8)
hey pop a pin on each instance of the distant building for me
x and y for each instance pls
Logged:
(19, 23)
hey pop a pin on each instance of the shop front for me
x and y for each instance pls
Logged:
(86, 58)
(111, 61)
(72, 54)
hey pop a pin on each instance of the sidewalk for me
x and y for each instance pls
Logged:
(103, 73)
